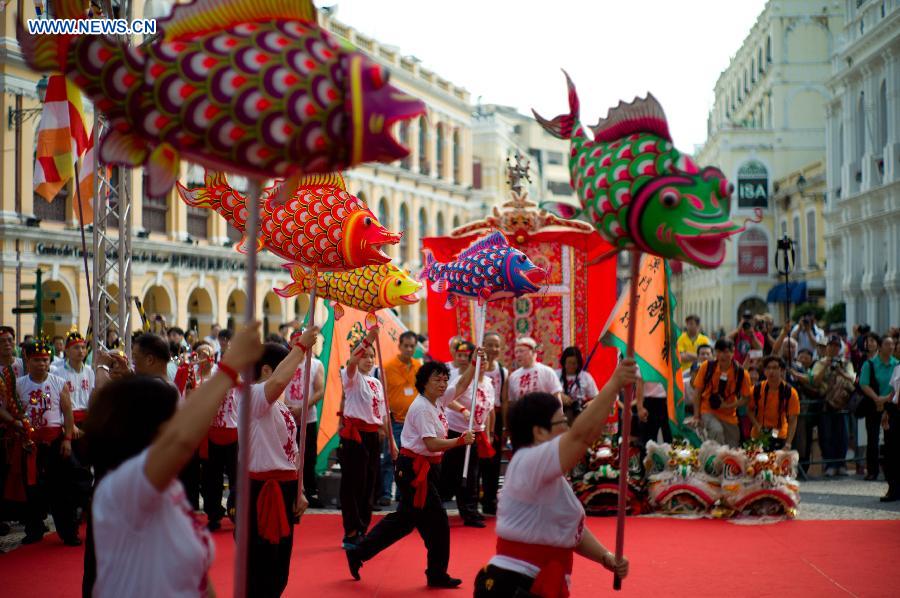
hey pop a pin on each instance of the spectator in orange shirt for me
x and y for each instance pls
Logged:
(774, 406)
(722, 386)
(400, 377)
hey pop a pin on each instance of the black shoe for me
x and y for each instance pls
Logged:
(351, 542)
(384, 501)
(213, 525)
(354, 563)
(489, 509)
(32, 538)
(474, 523)
(890, 497)
(871, 477)
(72, 541)
(478, 516)
(315, 503)
(444, 582)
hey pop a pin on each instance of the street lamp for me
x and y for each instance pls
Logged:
(785, 257)
(16, 117)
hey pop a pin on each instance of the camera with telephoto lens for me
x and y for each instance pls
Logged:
(715, 399)
(836, 363)
(746, 325)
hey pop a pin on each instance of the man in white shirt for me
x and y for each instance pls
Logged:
(7, 351)
(532, 376)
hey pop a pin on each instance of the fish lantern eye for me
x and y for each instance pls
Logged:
(725, 188)
(670, 197)
(397, 283)
(379, 76)
(521, 259)
(368, 221)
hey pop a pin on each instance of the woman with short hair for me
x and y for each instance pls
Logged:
(540, 521)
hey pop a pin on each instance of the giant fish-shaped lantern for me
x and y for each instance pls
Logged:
(367, 289)
(638, 190)
(487, 270)
(254, 87)
(321, 226)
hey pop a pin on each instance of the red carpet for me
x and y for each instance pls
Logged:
(669, 558)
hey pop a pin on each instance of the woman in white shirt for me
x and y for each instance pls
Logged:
(147, 540)
(363, 416)
(540, 522)
(578, 385)
(418, 473)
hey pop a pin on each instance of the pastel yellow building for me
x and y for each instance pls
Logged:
(768, 120)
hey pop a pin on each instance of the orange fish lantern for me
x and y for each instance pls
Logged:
(321, 226)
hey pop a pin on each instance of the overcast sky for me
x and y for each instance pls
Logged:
(510, 52)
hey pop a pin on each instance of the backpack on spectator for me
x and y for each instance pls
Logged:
(710, 367)
(838, 391)
(784, 396)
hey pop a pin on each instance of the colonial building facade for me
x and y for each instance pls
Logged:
(184, 264)
(863, 141)
(767, 121)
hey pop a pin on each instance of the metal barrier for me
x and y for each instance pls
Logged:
(815, 425)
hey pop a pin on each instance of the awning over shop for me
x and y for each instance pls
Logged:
(779, 293)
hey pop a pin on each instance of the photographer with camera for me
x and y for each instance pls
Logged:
(799, 375)
(722, 386)
(807, 334)
(774, 407)
(834, 378)
(746, 339)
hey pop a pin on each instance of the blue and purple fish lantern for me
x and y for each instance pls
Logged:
(487, 270)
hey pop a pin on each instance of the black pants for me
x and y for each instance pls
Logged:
(310, 487)
(430, 521)
(873, 429)
(190, 479)
(360, 468)
(490, 469)
(222, 461)
(657, 419)
(268, 564)
(452, 482)
(892, 452)
(494, 581)
(53, 492)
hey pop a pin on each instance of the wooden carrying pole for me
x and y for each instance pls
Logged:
(307, 386)
(480, 315)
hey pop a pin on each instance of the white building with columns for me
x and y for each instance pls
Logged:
(863, 166)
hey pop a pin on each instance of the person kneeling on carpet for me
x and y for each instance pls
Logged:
(418, 474)
(146, 539)
(540, 521)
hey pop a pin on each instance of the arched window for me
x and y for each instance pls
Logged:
(423, 223)
(881, 130)
(383, 215)
(423, 145)
(798, 241)
(759, 61)
(456, 222)
(457, 157)
(439, 150)
(404, 229)
(769, 50)
(405, 142)
(440, 224)
(811, 239)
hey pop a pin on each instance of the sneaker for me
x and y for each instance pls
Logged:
(829, 473)
(842, 471)
(443, 582)
(354, 563)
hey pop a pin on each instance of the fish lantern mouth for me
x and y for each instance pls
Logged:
(536, 277)
(374, 107)
(411, 298)
(706, 249)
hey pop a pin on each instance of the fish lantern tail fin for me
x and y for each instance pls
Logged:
(49, 52)
(199, 197)
(562, 209)
(562, 125)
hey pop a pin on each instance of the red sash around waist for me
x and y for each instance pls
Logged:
(554, 563)
(223, 436)
(421, 466)
(47, 434)
(353, 426)
(485, 450)
(80, 415)
(271, 516)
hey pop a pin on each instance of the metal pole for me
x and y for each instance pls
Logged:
(243, 497)
(307, 385)
(480, 314)
(624, 442)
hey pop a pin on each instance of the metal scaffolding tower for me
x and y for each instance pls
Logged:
(113, 227)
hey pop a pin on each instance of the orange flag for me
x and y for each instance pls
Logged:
(61, 137)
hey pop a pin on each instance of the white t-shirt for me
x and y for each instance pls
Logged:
(423, 420)
(79, 384)
(537, 504)
(484, 404)
(363, 398)
(226, 416)
(147, 542)
(273, 433)
(537, 378)
(494, 376)
(895, 384)
(293, 394)
(581, 386)
(44, 411)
